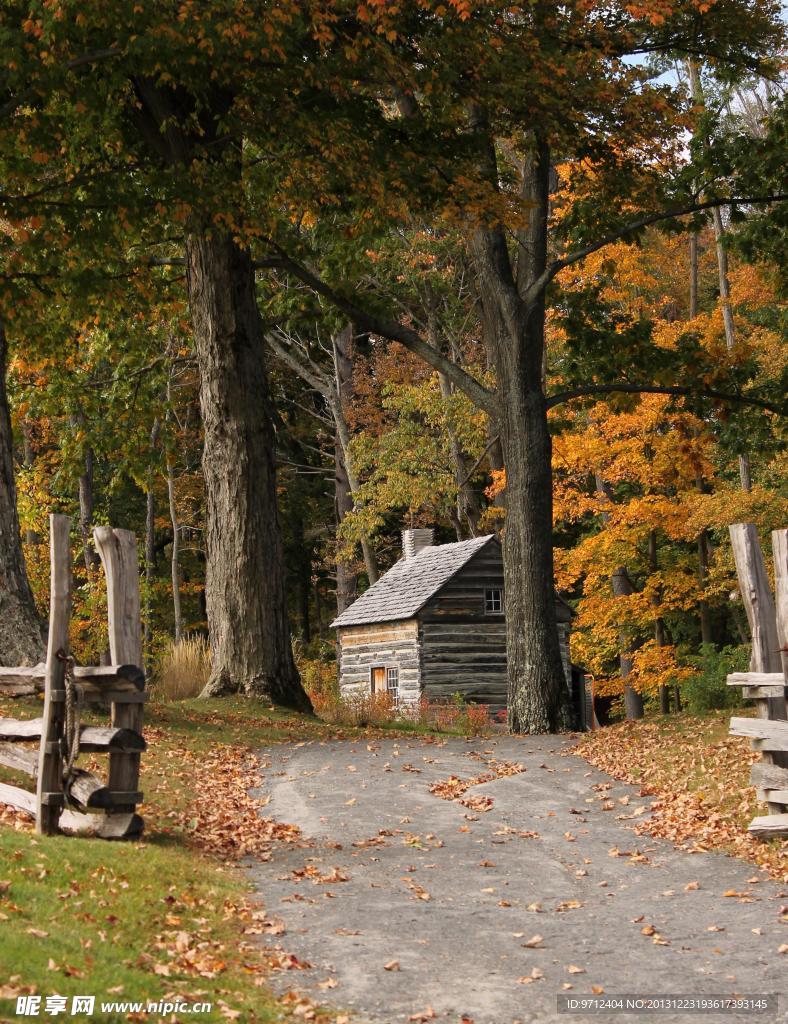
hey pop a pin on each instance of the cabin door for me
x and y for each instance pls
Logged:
(378, 680)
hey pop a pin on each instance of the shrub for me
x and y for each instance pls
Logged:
(358, 709)
(708, 690)
(182, 669)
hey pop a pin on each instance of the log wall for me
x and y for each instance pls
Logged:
(453, 646)
(387, 645)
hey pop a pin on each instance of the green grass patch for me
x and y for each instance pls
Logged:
(147, 920)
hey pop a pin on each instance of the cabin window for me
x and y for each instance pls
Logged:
(392, 683)
(493, 601)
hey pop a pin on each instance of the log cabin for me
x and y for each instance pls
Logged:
(434, 625)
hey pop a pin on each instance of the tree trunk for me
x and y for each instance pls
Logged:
(86, 511)
(347, 581)
(338, 399)
(696, 84)
(245, 580)
(633, 702)
(31, 536)
(693, 289)
(468, 505)
(659, 625)
(150, 549)
(538, 692)
(343, 505)
(175, 554)
(20, 631)
(706, 625)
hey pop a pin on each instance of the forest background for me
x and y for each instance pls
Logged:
(664, 362)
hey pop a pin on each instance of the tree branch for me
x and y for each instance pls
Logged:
(366, 321)
(86, 58)
(642, 222)
(655, 389)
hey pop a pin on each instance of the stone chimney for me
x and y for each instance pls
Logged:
(414, 540)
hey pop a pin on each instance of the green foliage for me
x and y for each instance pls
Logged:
(708, 691)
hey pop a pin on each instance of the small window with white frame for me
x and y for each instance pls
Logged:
(392, 683)
(493, 601)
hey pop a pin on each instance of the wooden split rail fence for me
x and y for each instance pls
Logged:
(767, 681)
(66, 796)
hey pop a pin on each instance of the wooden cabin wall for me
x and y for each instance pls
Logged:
(466, 658)
(463, 649)
(387, 644)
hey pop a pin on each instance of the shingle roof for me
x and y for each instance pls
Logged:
(408, 585)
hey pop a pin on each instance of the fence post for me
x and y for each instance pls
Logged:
(118, 552)
(758, 604)
(49, 787)
(780, 550)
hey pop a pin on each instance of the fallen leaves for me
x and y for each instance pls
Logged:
(419, 892)
(222, 818)
(533, 942)
(536, 975)
(392, 965)
(454, 787)
(700, 778)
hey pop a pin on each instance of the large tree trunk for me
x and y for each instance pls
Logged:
(538, 691)
(633, 702)
(20, 631)
(245, 584)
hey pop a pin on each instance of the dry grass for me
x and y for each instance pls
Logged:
(183, 669)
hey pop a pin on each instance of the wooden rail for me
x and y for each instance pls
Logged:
(767, 682)
(63, 798)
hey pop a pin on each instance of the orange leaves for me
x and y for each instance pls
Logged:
(700, 778)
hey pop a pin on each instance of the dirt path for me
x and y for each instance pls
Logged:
(454, 893)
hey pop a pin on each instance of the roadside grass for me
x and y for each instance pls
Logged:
(165, 916)
(700, 778)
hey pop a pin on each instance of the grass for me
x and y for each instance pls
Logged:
(700, 777)
(167, 915)
(183, 668)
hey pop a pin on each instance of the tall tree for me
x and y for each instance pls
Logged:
(494, 147)
(20, 631)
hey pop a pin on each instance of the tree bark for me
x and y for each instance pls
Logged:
(245, 580)
(150, 549)
(86, 505)
(31, 536)
(175, 554)
(633, 702)
(696, 84)
(538, 691)
(347, 581)
(20, 631)
(659, 625)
